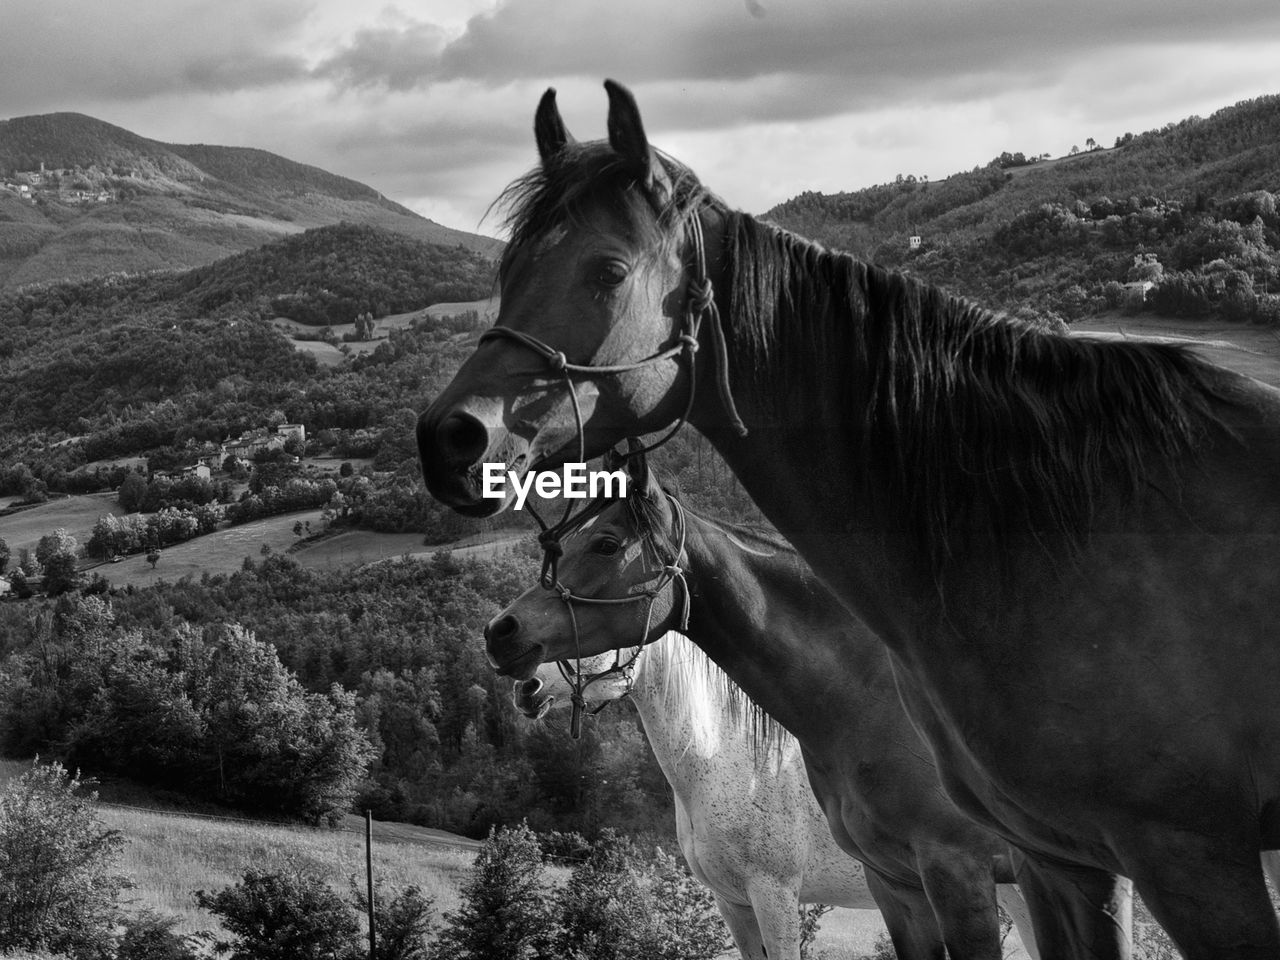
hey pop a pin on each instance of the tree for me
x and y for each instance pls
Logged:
(60, 574)
(153, 557)
(4, 555)
(58, 888)
(54, 543)
(292, 915)
(132, 493)
(506, 912)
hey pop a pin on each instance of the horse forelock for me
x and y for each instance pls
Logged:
(982, 427)
(585, 176)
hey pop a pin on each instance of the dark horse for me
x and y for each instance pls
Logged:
(758, 612)
(1071, 548)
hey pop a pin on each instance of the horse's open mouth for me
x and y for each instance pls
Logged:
(530, 700)
(522, 667)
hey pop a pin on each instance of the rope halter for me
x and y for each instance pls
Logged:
(671, 572)
(700, 304)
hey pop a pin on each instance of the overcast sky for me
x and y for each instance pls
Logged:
(431, 102)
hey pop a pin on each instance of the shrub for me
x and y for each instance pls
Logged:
(810, 917)
(149, 936)
(622, 905)
(403, 923)
(58, 890)
(291, 915)
(505, 912)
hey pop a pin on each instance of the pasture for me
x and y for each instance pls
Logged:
(1251, 350)
(220, 552)
(329, 355)
(171, 855)
(77, 514)
(354, 547)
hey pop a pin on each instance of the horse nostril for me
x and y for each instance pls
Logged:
(502, 630)
(462, 437)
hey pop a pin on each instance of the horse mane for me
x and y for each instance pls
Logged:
(689, 668)
(974, 428)
(980, 426)
(648, 519)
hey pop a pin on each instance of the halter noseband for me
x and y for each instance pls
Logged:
(699, 304)
(671, 572)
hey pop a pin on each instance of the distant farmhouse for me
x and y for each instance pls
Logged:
(1135, 292)
(250, 444)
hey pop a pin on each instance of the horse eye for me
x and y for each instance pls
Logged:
(612, 273)
(607, 547)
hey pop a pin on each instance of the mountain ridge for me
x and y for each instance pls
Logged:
(81, 197)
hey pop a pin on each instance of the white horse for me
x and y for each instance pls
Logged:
(746, 818)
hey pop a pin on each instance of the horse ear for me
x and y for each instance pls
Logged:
(641, 480)
(627, 137)
(548, 128)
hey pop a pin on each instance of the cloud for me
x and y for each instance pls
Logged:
(806, 59)
(58, 53)
(397, 58)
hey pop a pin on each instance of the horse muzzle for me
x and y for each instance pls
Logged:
(508, 654)
(454, 444)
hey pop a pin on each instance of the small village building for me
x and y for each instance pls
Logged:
(297, 430)
(913, 242)
(1136, 291)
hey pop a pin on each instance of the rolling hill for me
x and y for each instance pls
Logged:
(1190, 206)
(81, 198)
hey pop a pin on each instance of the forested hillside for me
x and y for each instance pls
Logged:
(1191, 205)
(82, 198)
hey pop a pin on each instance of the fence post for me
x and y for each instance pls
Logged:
(368, 868)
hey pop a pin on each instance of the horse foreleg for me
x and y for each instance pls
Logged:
(741, 921)
(909, 918)
(1271, 866)
(1209, 895)
(1015, 905)
(1079, 913)
(962, 893)
(777, 910)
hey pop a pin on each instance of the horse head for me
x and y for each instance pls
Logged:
(619, 585)
(597, 332)
(554, 685)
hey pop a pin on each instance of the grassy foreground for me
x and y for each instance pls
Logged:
(171, 855)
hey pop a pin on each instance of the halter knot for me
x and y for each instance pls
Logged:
(558, 361)
(701, 294)
(690, 342)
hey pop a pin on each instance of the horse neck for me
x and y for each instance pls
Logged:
(807, 470)
(686, 717)
(763, 617)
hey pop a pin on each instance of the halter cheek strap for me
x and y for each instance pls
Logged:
(700, 303)
(672, 573)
